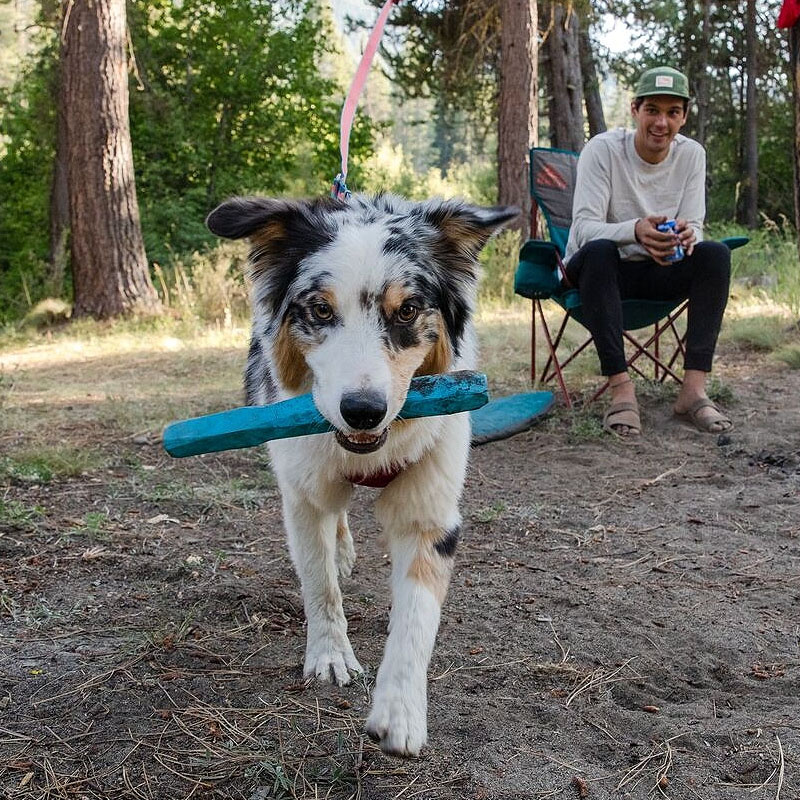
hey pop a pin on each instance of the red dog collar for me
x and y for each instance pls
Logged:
(376, 480)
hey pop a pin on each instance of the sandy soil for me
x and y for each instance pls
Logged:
(624, 621)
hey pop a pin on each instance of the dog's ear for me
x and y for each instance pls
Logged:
(278, 229)
(468, 227)
(238, 217)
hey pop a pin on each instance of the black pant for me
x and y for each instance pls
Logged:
(604, 280)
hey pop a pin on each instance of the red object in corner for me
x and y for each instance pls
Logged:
(790, 13)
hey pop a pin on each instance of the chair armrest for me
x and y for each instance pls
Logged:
(537, 274)
(733, 242)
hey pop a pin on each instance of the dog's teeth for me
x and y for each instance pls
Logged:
(363, 438)
(362, 442)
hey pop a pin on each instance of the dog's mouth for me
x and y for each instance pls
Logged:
(362, 442)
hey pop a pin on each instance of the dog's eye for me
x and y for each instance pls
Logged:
(407, 313)
(322, 311)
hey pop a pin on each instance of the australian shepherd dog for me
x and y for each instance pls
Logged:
(351, 299)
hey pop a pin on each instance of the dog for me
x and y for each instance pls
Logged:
(351, 299)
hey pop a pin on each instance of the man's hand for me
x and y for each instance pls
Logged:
(660, 245)
(686, 235)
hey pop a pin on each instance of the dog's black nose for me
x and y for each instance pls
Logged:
(363, 410)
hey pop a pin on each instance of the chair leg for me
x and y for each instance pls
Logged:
(601, 391)
(533, 342)
(553, 357)
(656, 350)
(573, 355)
(651, 349)
(553, 344)
(680, 341)
(641, 350)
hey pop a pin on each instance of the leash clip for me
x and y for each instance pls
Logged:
(339, 189)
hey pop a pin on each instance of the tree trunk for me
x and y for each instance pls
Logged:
(59, 212)
(700, 73)
(794, 65)
(518, 114)
(750, 187)
(443, 135)
(564, 81)
(109, 266)
(591, 85)
(574, 79)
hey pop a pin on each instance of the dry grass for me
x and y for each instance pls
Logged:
(56, 385)
(290, 748)
(132, 380)
(93, 371)
(659, 759)
(600, 679)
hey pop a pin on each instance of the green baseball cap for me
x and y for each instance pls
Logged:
(662, 80)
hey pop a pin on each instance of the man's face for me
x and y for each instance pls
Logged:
(658, 120)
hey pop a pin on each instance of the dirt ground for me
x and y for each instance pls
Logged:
(623, 621)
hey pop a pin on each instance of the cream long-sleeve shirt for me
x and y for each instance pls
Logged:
(615, 187)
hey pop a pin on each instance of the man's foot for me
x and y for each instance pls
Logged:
(622, 418)
(704, 414)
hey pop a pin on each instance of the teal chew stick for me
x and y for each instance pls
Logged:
(428, 396)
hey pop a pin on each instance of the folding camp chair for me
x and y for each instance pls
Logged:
(540, 276)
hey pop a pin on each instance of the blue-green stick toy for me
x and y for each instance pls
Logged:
(428, 396)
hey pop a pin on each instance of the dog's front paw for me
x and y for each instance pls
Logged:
(398, 720)
(330, 661)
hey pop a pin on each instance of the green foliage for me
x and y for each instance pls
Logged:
(17, 515)
(584, 425)
(48, 463)
(670, 33)
(229, 100)
(762, 333)
(27, 131)
(226, 98)
(499, 260)
(449, 52)
(208, 286)
(789, 355)
(491, 513)
(720, 392)
(768, 263)
(389, 168)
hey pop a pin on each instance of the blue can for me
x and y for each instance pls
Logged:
(669, 227)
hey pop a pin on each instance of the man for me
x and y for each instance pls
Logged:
(630, 181)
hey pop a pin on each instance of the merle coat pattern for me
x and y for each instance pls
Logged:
(350, 301)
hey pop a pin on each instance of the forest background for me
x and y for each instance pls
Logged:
(245, 96)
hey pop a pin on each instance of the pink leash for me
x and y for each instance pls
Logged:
(340, 189)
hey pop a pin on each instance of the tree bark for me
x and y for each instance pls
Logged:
(59, 212)
(109, 266)
(591, 85)
(750, 186)
(518, 113)
(700, 76)
(574, 79)
(565, 86)
(58, 256)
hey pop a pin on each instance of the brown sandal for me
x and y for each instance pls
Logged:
(623, 415)
(704, 424)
